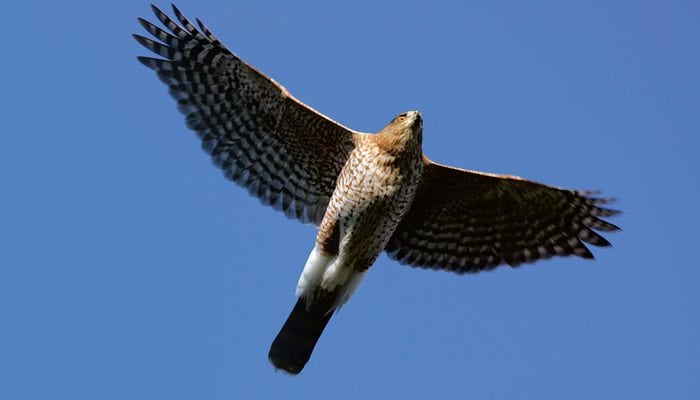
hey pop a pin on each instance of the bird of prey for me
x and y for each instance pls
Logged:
(367, 193)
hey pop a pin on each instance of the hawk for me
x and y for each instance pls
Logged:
(367, 193)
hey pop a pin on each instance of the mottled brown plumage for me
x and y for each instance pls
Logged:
(466, 221)
(367, 193)
(373, 191)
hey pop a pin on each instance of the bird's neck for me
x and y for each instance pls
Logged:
(397, 145)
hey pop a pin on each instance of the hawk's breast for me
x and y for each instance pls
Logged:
(373, 192)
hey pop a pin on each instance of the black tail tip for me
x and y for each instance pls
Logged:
(292, 348)
(281, 362)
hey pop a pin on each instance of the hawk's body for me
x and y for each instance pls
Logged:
(367, 193)
(373, 192)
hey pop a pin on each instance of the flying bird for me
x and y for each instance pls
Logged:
(366, 193)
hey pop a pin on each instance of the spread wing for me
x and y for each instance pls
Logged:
(282, 151)
(466, 221)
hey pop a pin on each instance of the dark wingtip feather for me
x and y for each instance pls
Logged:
(146, 61)
(143, 22)
(614, 212)
(608, 227)
(156, 47)
(162, 17)
(593, 238)
(156, 10)
(583, 252)
(143, 41)
(605, 200)
(605, 212)
(181, 17)
(155, 64)
(201, 25)
(210, 36)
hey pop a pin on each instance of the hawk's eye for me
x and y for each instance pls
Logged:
(401, 118)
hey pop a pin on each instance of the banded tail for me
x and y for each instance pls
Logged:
(292, 348)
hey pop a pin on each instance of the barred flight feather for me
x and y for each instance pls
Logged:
(285, 153)
(465, 221)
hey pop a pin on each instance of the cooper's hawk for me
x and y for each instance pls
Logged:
(366, 192)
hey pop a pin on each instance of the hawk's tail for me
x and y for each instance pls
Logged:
(293, 345)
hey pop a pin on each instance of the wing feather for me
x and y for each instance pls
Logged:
(465, 221)
(284, 152)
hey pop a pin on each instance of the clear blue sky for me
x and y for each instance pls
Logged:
(131, 269)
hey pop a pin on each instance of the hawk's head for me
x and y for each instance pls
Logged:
(403, 132)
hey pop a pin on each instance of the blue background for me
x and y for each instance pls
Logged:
(131, 269)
